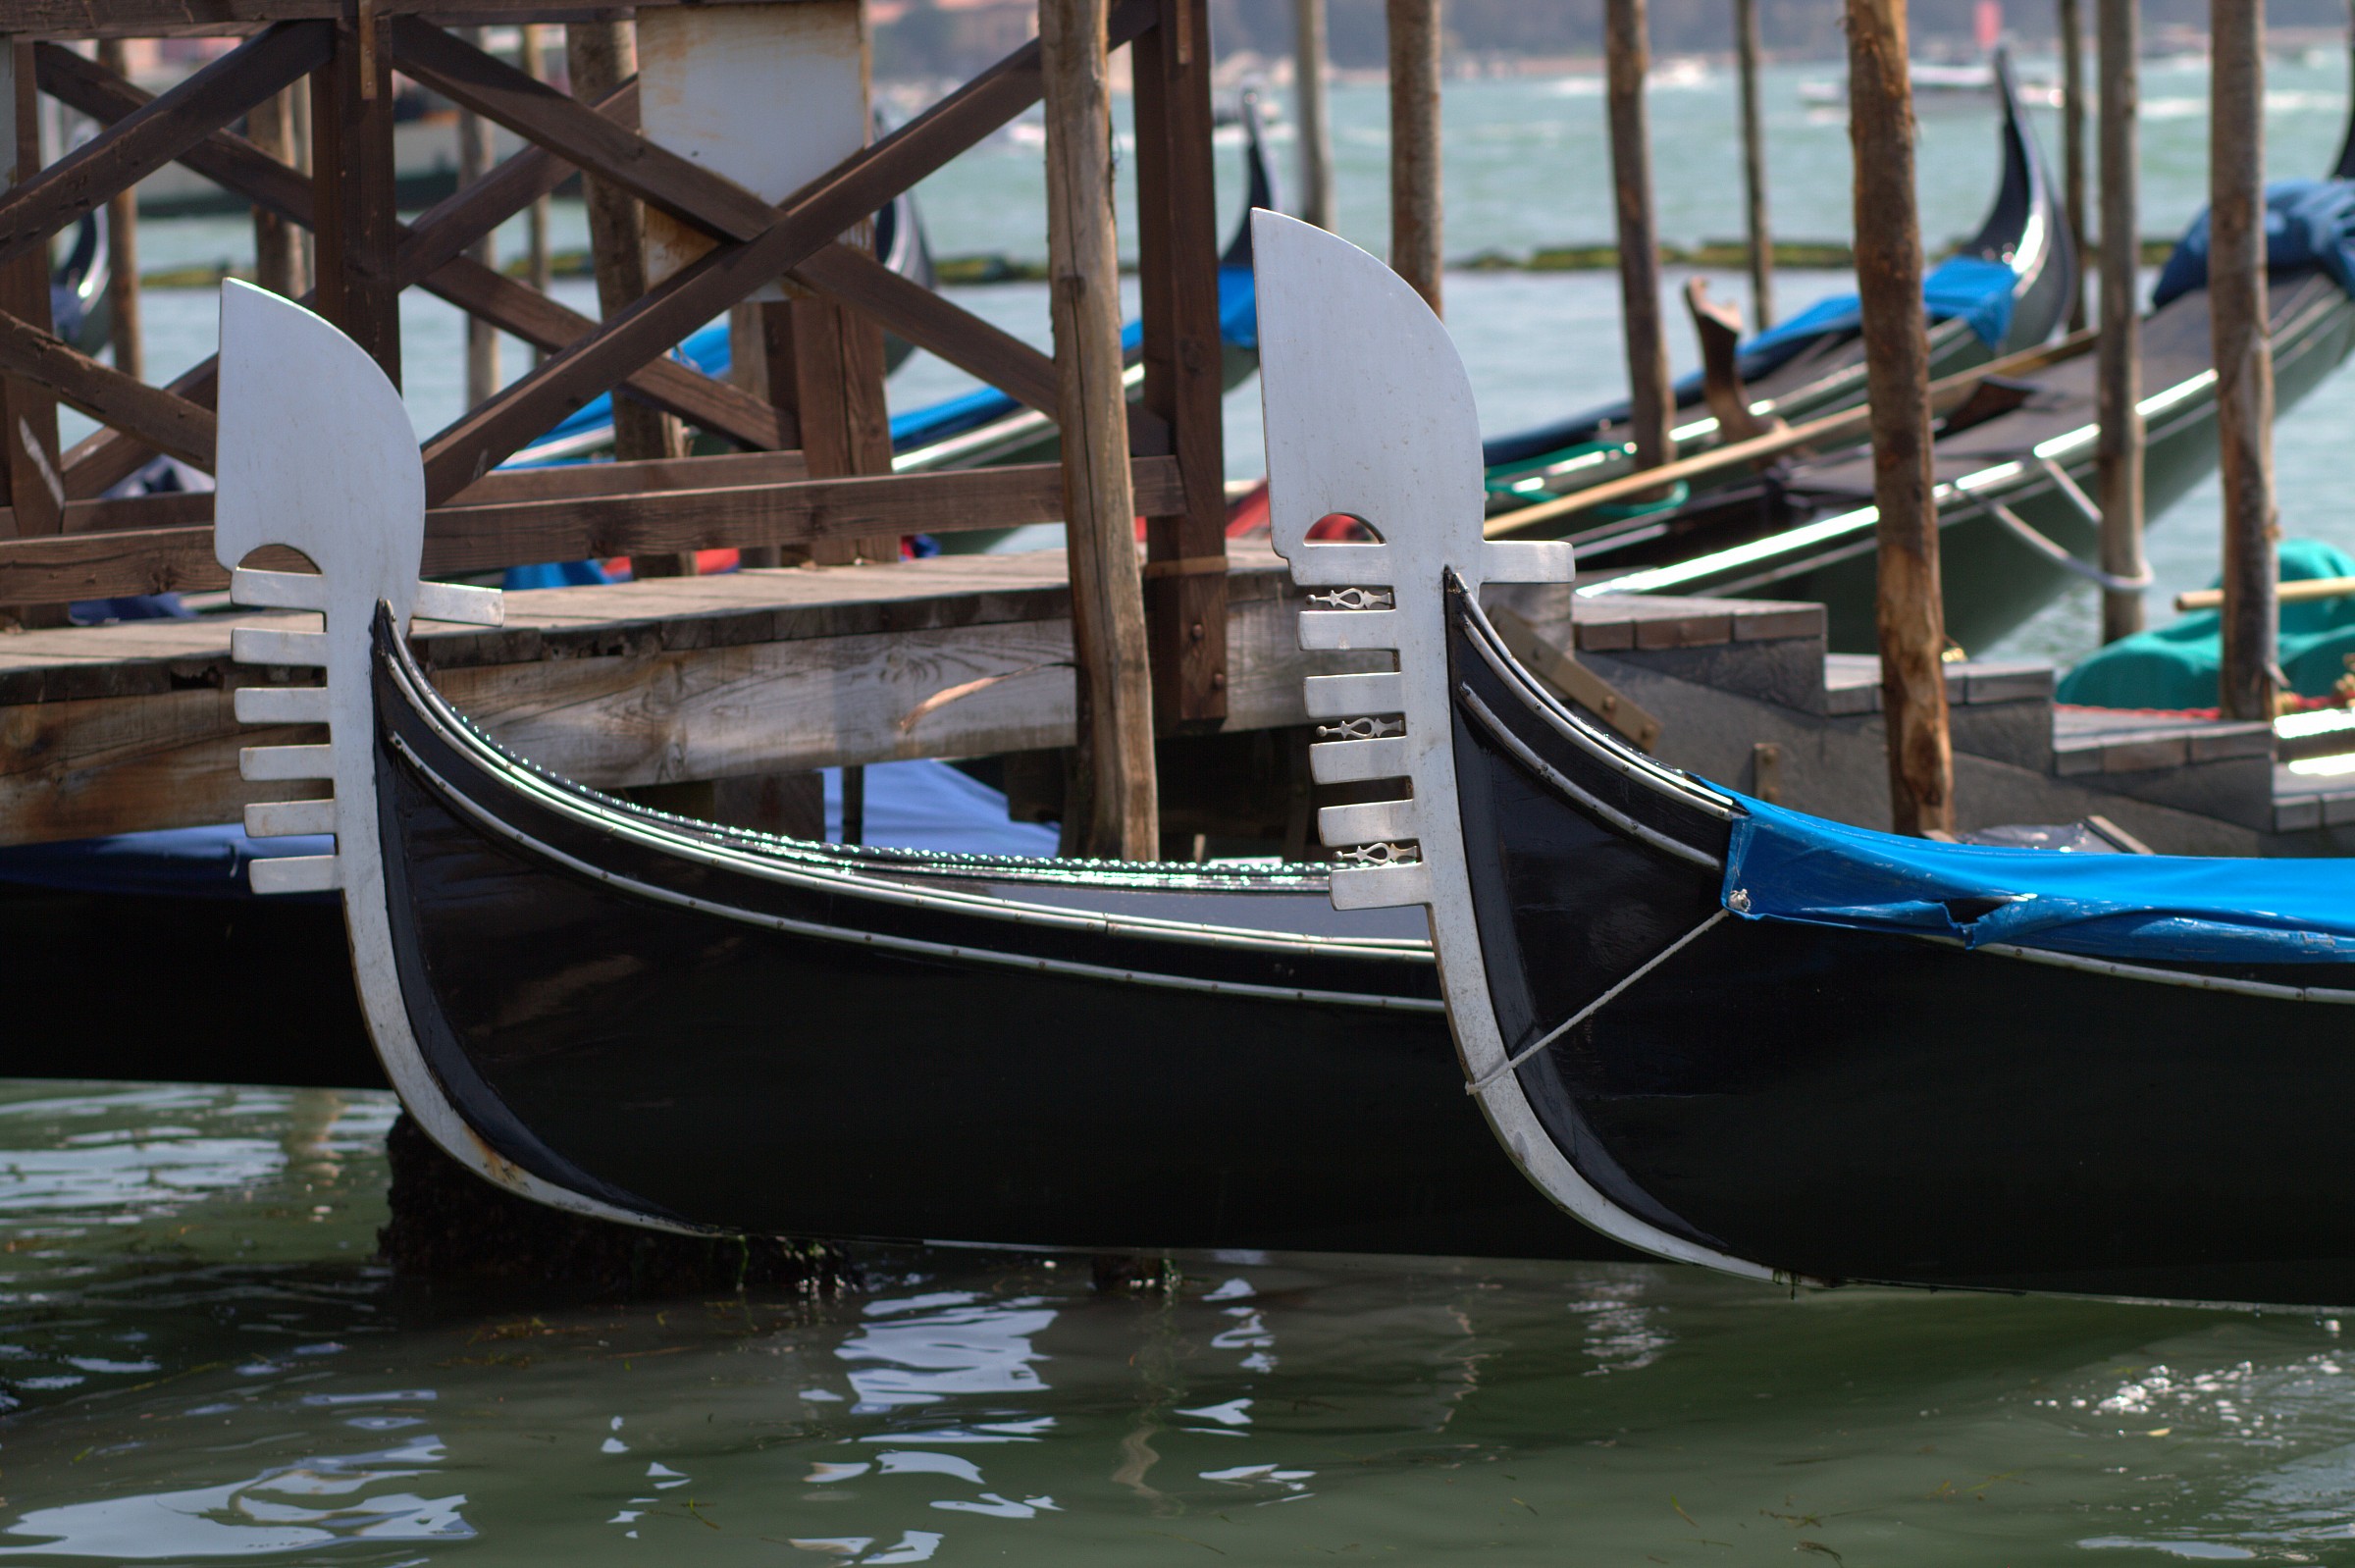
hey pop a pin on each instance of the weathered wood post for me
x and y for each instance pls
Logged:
(2072, 26)
(122, 245)
(476, 155)
(1909, 611)
(1316, 126)
(35, 496)
(2245, 358)
(598, 56)
(1177, 278)
(278, 253)
(357, 285)
(543, 260)
(1415, 214)
(2118, 382)
(1651, 402)
(1120, 810)
(772, 96)
(1746, 51)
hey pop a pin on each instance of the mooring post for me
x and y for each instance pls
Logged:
(122, 245)
(543, 260)
(2118, 379)
(357, 282)
(277, 256)
(35, 495)
(2244, 357)
(1909, 611)
(2071, 27)
(476, 155)
(598, 56)
(1746, 51)
(1122, 811)
(1651, 402)
(1316, 127)
(1415, 214)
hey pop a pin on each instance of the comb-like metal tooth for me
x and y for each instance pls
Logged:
(1382, 887)
(281, 705)
(1351, 695)
(459, 603)
(1528, 560)
(260, 590)
(1354, 761)
(1367, 822)
(1340, 565)
(1322, 629)
(266, 764)
(267, 644)
(287, 818)
(295, 873)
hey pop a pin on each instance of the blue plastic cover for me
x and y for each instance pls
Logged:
(1967, 287)
(181, 861)
(2137, 909)
(2308, 223)
(931, 806)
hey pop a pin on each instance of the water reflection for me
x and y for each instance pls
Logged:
(206, 1368)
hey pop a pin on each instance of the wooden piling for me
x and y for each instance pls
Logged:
(278, 253)
(476, 155)
(2118, 379)
(1910, 613)
(599, 57)
(1746, 51)
(1415, 213)
(358, 237)
(2244, 360)
(125, 332)
(1107, 610)
(1651, 403)
(35, 496)
(1315, 126)
(543, 260)
(2071, 27)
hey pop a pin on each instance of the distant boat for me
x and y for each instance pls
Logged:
(1942, 85)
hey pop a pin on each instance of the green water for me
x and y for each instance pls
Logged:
(201, 1364)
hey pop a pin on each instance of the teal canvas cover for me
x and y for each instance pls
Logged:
(2176, 665)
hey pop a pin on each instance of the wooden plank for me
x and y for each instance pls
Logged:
(351, 128)
(488, 434)
(2118, 452)
(1651, 399)
(487, 536)
(180, 19)
(2244, 356)
(161, 419)
(1118, 813)
(35, 494)
(1415, 211)
(635, 478)
(929, 322)
(104, 458)
(1178, 245)
(827, 362)
(1761, 233)
(141, 144)
(1911, 610)
(445, 230)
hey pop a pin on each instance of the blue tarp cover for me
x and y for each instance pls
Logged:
(2308, 223)
(1976, 291)
(2137, 909)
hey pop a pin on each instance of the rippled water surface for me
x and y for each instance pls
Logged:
(201, 1364)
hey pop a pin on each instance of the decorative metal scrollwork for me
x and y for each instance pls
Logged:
(1378, 854)
(1361, 729)
(1356, 598)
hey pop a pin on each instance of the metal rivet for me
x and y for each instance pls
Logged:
(1737, 901)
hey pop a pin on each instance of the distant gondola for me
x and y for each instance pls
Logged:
(2006, 289)
(1736, 1036)
(677, 1025)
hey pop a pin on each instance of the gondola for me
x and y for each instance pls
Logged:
(2006, 289)
(663, 1022)
(2016, 522)
(1740, 1036)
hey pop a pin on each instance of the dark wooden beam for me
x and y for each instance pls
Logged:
(1177, 249)
(186, 19)
(28, 457)
(162, 420)
(485, 537)
(351, 154)
(104, 458)
(929, 322)
(168, 125)
(811, 219)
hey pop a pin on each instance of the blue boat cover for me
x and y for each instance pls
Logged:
(931, 806)
(2308, 223)
(180, 861)
(2177, 666)
(1964, 287)
(2139, 909)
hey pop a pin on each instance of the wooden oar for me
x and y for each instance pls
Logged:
(1643, 482)
(2290, 592)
